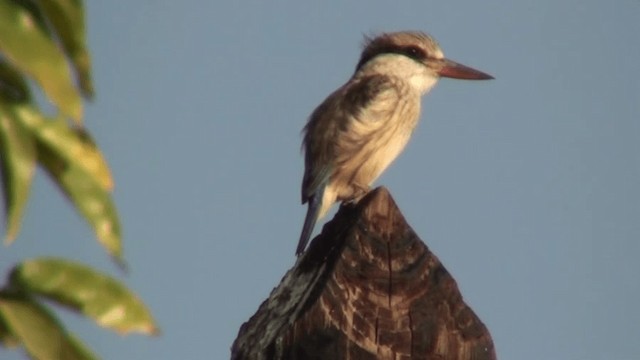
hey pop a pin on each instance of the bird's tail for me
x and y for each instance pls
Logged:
(309, 221)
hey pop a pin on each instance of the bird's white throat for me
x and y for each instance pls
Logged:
(419, 77)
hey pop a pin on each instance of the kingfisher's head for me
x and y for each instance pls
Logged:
(413, 56)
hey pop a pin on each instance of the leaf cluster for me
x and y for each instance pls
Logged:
(26, 320)
(44, 55)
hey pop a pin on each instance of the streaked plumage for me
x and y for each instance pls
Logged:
(353, 136)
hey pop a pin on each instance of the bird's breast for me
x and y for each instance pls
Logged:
(376, 138)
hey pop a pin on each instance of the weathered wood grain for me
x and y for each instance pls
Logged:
(367, 288)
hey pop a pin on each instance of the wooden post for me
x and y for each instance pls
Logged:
(367, 288)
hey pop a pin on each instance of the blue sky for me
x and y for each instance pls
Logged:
(525, 187)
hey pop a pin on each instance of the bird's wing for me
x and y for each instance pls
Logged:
(339, 126)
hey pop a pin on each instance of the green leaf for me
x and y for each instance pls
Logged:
(30, 49)
(17, 164)
(38, 330)
(13, 86)
(74, 145)
(76, 165)
(7, 339)
(93, 202)
(81, 288)
(33, 8)
(67, 18)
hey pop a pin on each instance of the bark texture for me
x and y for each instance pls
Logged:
(367, 288)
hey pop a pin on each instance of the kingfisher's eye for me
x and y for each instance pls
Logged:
(415, 52)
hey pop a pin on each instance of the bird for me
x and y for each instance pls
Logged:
(360, 128)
